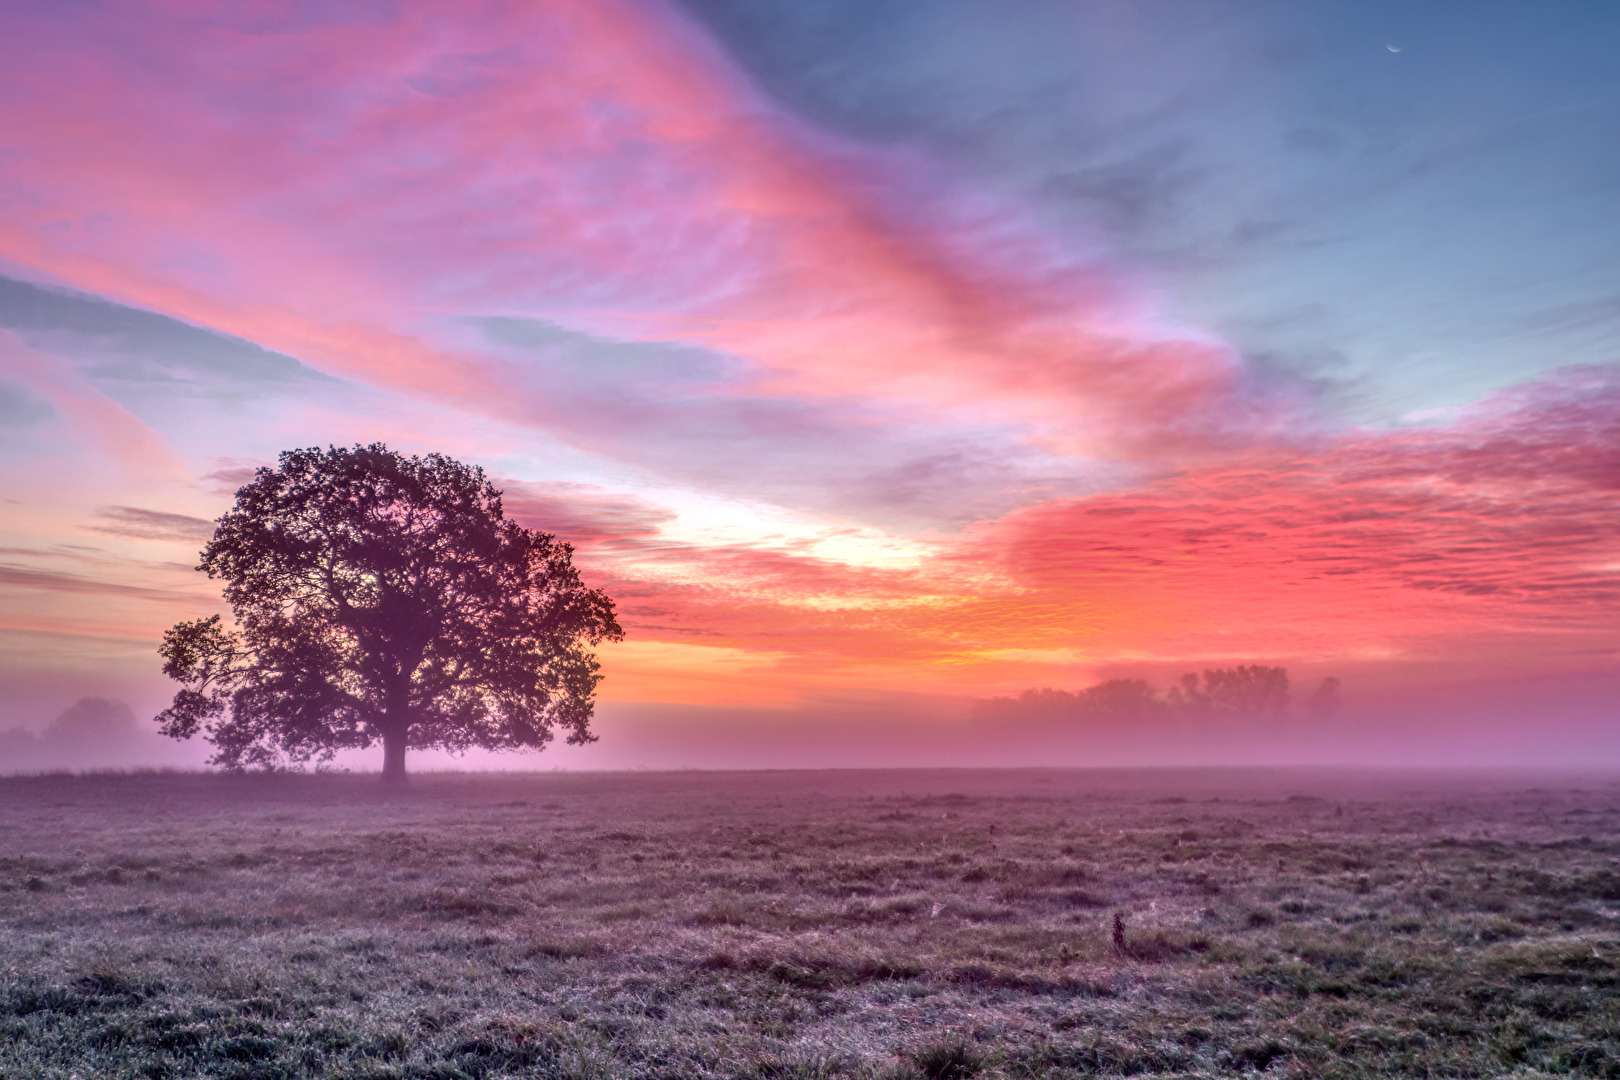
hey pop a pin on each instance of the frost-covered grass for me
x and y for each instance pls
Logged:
(901, 924)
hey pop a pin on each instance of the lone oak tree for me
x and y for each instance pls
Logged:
(383, 598)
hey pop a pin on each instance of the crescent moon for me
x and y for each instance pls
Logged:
(1393, 48)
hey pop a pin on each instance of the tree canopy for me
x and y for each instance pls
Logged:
(1249, 690)
(384, 598)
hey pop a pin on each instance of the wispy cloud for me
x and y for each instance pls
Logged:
(122, 344)
(582, 513)
(135, 523)
(20, 408)
(1491, 539)
(57, 581)
(678, 204)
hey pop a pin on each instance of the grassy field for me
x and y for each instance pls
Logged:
(776, 925)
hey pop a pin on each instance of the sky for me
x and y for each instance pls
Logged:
(877, 356)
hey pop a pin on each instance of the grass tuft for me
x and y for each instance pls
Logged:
(949, 1059)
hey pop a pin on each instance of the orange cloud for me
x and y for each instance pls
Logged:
(1489, 543)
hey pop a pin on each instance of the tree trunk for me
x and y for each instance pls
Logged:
(394, 755)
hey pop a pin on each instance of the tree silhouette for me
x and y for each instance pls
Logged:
(1187, 698)
(92, 723)
(1248, 690)
(1324, 700)
(1120, 699)
(1115, 699)
(383, 598)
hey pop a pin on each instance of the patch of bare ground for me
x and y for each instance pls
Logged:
(867, 924)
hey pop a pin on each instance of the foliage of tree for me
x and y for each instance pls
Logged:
(93, 730)
(1117, 699)
(1028, 705)
(1125, 699)
(92, 722)
(384, 598)
(1324, 700)
(1249, 690)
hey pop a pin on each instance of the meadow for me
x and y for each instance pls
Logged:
(938, 925)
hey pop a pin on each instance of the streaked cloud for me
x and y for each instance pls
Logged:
(139, 524)
(1490, 541)
(20, 408)
(56, 581)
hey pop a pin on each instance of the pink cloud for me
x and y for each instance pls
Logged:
(1491, 538)
(331, 190)
(1486, 547)
(581, 514)
(101, 435)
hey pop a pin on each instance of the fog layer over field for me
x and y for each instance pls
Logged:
(92, 733)
(861, 350)
(1512, 727)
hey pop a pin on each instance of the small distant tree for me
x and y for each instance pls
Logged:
(384, 598)
(92, 723)
(1120, 699)
(1187, 698)
(1324, 700)
(1045, 703)
(1248, 690)
(1114, 699)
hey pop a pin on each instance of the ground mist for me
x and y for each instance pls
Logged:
(940, 924)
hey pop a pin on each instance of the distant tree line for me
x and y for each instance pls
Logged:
(93, 732)
(1249, 690)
